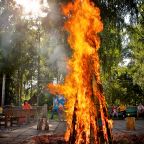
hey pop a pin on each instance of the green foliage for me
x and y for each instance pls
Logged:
(136, 46)
(46, 98)
(19, 42)
(122, 89)
(114, 49)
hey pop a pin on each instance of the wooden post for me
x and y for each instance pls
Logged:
(3, 90)
(130, 123)
(43, 123)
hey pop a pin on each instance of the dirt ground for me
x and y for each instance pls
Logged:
(28, 134)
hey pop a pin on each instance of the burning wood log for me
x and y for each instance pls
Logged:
(102, 114)
(73, 134)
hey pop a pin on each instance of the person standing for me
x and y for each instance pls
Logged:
(114, 111)
(55, 107)
(26, 107)
(140, 110)
(122, 109)
(61, 102)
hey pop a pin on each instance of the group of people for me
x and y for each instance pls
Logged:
(58, 107)
(122, 109)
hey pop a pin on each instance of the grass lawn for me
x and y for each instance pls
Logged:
(55, 117)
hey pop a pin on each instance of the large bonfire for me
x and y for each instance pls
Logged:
(86, 112)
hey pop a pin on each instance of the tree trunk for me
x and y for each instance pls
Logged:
(31, 88)
(3, 90)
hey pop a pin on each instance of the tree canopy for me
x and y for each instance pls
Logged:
(33, 52)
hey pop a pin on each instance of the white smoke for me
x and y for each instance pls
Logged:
(58, 54)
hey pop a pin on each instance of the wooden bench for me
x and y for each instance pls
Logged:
(131, 111)
(13, 115)
(120, 115)
(27, 115)
(3, 120)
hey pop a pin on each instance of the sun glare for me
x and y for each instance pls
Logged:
(33, 8)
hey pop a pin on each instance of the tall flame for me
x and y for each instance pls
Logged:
(82, 88)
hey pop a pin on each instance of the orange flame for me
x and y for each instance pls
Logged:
(82, 88)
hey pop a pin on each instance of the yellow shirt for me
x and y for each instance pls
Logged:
(1, 110)
(122, 107)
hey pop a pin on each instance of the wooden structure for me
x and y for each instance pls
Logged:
(43, 123)
(15, 115)
(130, 123)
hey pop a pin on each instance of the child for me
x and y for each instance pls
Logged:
(26, 105)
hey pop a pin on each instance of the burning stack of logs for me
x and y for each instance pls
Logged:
(87, 118)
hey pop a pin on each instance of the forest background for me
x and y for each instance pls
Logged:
(34, 52)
